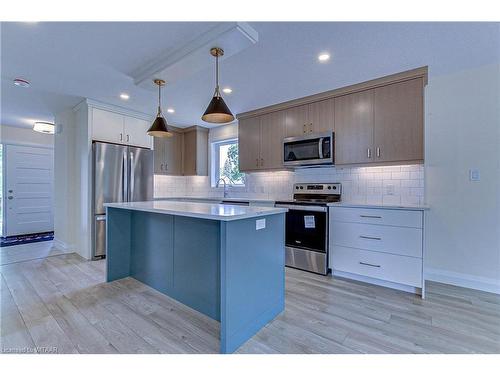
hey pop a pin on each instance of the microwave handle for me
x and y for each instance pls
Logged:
(320, 146)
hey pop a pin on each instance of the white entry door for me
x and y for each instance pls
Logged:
(29, 189)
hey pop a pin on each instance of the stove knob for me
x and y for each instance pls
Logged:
(334, 188)
(329, 187)
(302, 187)
(296, 187)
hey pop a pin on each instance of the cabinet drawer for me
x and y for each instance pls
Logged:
(389, 267)
(387, 239)
(400, 218)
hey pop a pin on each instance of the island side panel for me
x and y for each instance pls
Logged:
(118, 236)
(252, 277)
(197, 264)
(152, 253)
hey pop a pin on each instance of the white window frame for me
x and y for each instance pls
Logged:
(214, 161)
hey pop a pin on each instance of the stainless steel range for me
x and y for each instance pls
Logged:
(306, 238)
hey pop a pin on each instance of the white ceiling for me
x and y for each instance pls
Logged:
(66, 62)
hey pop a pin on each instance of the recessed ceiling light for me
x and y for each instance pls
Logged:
(170, 110)
(227, 90)
(21, 82)
(124, 96)
(44, 127)
(322, 57)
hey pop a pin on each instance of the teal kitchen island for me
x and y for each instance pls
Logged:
(225, 261)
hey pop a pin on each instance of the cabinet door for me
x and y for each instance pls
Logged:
(399, 125)
(321, 116)
(135, 132)
(249, 143)
(173, 154)
(354, 128)
(189, 168)
(159, 155)
(107, 126)
(296, 121)
(271, 140)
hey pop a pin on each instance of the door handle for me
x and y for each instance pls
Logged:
(121, 136)
(261, 162)
(370, 238)
(370, 265)
(128, 137)
(378, 152)
(131, 176)
(10, 197)
(369, 153)
(257, 162)
(161, 167)
(304, 128)
(371, 216)
(311, 127)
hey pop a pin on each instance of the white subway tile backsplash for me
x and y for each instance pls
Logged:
(359, 184)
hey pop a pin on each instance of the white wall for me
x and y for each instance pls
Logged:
(17, 135)
(463, 132)
(65, 186)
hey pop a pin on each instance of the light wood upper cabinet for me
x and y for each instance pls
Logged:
(168, 154)
(321, 116)
(249, 143)
(271, 144)
(195, 152)
(354, 128)
(297, 121)
(398, 117)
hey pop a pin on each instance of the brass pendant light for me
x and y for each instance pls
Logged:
(217, 111)
(159, 127)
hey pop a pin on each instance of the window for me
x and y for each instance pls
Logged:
(225, 163)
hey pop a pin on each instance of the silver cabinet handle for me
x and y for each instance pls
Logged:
(10, 197)
(369, 264)
(261, 162)
(370, 238)
(257, 162)
(371, 216)
(378, 152)
(161, 167)
(304, 128)
(369, 153)
(121, 136)
(128, 137)
(310, 127)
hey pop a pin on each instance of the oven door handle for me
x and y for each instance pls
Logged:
(303, 208)
(320, 147)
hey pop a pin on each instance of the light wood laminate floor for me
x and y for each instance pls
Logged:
(62, 304)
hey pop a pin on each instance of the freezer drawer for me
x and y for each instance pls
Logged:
(99, 237)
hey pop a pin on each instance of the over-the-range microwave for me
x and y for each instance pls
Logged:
(312, 149)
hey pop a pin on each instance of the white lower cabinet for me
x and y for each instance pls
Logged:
(383, 246)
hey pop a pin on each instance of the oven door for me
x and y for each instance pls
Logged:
(307, 228)
(308, 150)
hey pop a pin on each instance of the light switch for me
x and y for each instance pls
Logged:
(389, 189)
(260, 224)
(474, 175)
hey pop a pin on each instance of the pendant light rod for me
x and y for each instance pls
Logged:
(160, 83)
(216, 52)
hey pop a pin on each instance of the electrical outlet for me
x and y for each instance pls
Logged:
(389, 189)
(474, 175)
(260, 224)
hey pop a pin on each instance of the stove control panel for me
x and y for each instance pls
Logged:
(330, 188)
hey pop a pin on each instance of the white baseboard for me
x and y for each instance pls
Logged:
(484, 284)
(371, 280)
(63, 246)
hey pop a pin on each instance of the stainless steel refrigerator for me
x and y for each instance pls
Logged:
(121, 174)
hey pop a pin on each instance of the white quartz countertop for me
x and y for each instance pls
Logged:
(382, 206)
(213, 211)
(215, 199)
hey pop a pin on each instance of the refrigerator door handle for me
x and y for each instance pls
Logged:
(131, 177)
(124, 178)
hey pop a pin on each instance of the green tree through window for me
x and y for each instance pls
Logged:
(230, 170)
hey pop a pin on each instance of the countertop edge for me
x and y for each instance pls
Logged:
(273, 211)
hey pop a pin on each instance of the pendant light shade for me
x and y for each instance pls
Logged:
(217, 111)
(159, 128)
